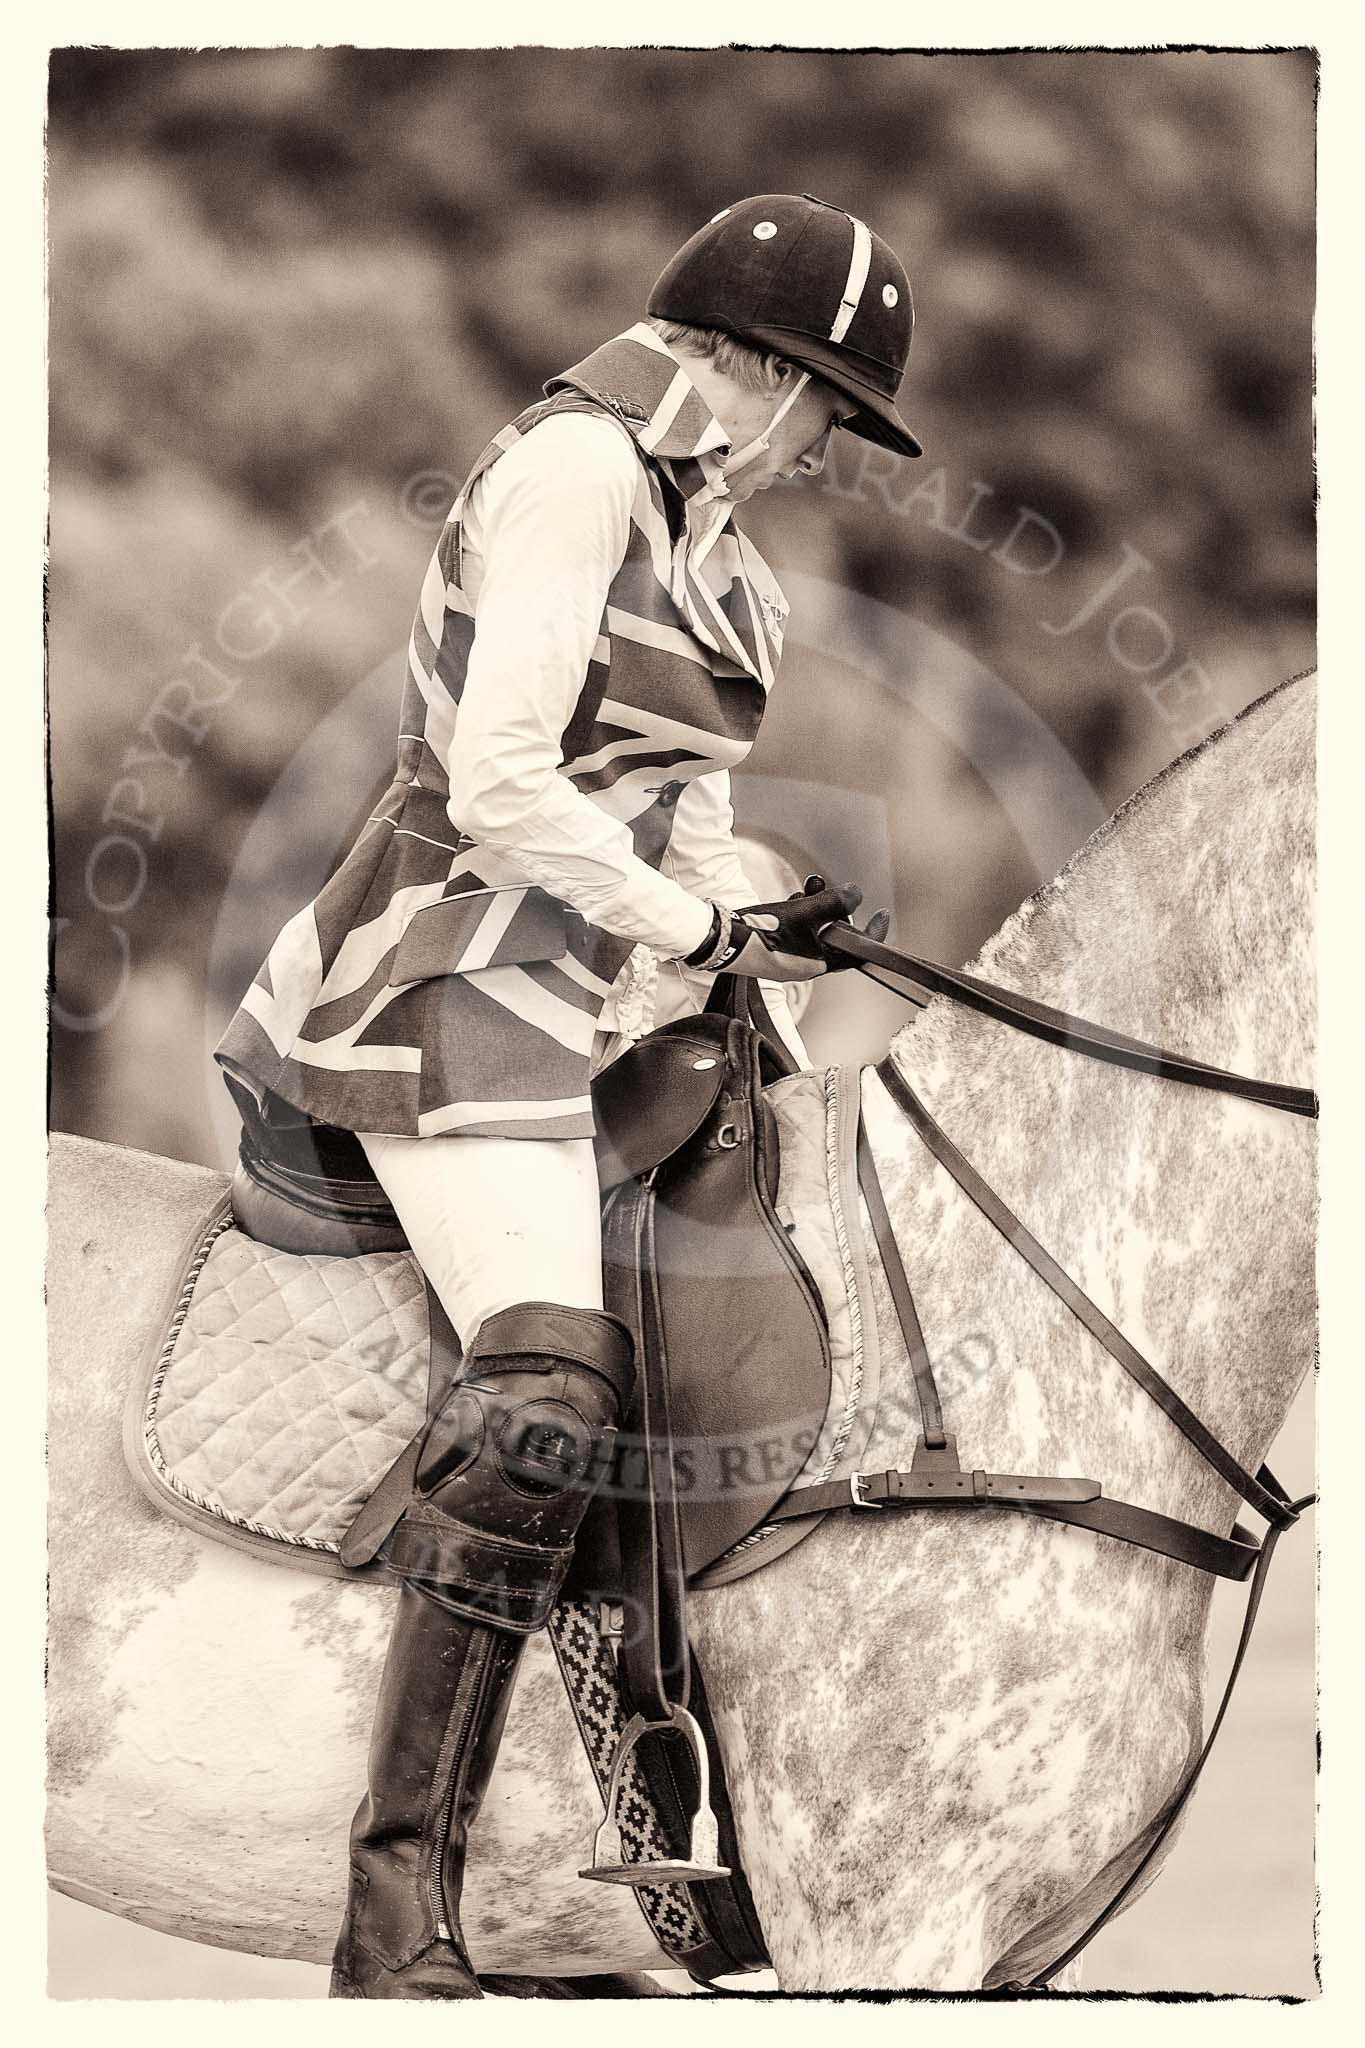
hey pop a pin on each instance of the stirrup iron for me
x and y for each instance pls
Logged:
(703, 1860)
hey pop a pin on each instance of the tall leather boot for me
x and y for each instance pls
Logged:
(504, 1476)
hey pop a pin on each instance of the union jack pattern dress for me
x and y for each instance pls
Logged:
(429, 988)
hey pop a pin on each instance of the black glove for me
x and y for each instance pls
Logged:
(782, 941)
(794, 925)
(799, 920)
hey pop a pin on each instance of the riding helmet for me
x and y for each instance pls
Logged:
(810, 282)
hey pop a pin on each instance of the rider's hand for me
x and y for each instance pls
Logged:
(758, 958)
(784, 941)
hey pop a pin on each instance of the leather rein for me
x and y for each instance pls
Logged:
(935, 1478)
(892, 969)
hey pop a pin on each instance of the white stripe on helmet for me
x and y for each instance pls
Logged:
(857, 278)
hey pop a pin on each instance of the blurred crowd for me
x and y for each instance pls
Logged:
(293, 292)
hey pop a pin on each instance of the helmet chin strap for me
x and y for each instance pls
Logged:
(739, 457)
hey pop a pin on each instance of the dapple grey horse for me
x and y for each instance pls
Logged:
(947, 1739)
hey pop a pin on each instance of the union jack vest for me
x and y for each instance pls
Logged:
(422, 992)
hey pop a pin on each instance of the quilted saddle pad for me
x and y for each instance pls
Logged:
(283, 1389)
(286, 1383)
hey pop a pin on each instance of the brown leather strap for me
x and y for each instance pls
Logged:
(915, 1489)
(1256, 1494)
(931, 1412)
(1007, 1006)
(1077, 1501)
(1223, 1557)
(739, 995)
(550, 1330)
(654, 1652)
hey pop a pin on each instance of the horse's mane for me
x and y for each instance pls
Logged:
(1132, 806)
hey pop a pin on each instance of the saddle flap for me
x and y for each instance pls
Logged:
(743, 1326)
(651, 1100)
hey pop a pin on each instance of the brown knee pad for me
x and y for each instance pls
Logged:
(510, 1462)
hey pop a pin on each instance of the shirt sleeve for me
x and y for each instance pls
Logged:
(548, 529)
(703, 856)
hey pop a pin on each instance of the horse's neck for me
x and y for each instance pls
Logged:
(1189, 912)
(1186, 1215)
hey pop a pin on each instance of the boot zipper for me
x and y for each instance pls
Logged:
(436, 1869)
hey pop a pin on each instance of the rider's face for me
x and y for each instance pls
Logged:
(799, 441)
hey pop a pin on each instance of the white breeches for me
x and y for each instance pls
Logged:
(495, 1221)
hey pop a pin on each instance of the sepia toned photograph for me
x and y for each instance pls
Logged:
(682, 1194)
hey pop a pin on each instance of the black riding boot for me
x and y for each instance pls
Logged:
(443, 1700)
(505, 1474)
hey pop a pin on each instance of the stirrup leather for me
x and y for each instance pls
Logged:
(703, 1860)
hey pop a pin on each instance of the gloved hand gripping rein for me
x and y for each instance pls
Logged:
(792, 926)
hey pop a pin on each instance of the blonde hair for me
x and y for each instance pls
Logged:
(753, 369)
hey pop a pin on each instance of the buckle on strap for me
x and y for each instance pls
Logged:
(858, 1482)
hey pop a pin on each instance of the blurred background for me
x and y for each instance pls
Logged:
(292, 294)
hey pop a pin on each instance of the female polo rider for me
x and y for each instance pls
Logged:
(592, 652)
